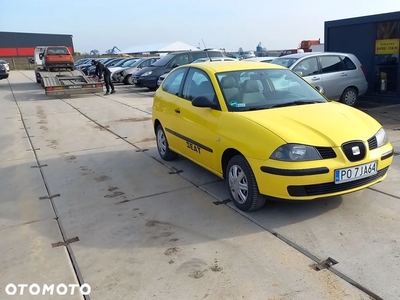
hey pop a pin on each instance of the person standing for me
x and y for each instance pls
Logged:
(103, 70)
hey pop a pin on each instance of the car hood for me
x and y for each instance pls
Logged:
(115, 69)
(320, 124)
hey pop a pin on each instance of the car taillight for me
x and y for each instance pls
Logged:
(364, 71)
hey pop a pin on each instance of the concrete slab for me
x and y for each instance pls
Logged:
(106, 176)
(391, 184)
(189, 170)
(359, 230)
(27, 257)
(181, 246)
(65, 132)
(21, 187)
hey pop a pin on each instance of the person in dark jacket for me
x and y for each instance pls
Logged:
(103, 70)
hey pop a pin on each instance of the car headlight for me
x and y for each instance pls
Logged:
(147, 73)
(381, 137)
(295, 152)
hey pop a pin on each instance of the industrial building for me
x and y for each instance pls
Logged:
(20, 44)
(375, 41)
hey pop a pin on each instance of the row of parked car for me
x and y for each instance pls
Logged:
(340, 76)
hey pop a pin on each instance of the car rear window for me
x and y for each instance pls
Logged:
(57, 51)
(348, 63)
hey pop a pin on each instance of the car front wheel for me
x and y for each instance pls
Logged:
(242, 185)
(162, 145)
(349, 96)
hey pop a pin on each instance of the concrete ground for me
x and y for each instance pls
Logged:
(85, 198)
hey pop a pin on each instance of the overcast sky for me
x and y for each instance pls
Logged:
(100, 24)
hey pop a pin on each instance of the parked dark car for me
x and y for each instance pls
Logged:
(111, 62)
(4, 69)
(148, 77)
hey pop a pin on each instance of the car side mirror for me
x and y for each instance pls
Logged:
(320, 89)
(202, 101)
(31, 60)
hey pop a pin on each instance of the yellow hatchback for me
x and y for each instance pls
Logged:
(267, 132)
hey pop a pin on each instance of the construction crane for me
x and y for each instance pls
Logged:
(113, 50)
(94, 52)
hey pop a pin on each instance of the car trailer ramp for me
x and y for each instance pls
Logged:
(68, 83)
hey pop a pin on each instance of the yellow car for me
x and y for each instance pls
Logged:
(267, 132)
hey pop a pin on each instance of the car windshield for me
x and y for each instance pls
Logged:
(113, 62)
(163, 61)
(258, 89)
(284, 61)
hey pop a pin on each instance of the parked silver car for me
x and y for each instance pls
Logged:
(126, 76)
(340, 75)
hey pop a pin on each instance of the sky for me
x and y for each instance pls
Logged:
(101, 24)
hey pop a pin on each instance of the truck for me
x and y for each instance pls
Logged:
(57, 76)
(305, 46)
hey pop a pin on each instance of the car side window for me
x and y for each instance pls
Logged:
(180, 60)
(198, 84)
(348, 63)
(172, 83)
(331, 64)
(307, 67)
(197, 55)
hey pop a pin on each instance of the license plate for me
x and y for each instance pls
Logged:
(357, 172)
(75, 87)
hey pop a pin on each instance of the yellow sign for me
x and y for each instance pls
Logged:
(390, 46)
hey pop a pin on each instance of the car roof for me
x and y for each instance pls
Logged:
(227, 66)
(300, 55)
(259, 58)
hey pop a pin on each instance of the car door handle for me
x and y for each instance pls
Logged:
(315, 78)
(177, 110)
(343, 74)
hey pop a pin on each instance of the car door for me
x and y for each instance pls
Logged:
(335, 79)
(166, 106)
(198, 125)
(308, 68)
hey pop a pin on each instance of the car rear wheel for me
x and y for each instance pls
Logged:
(349, 96)
(242, 185)
(162, 145)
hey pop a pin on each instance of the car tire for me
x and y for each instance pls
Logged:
(349, 96)
(152, 89)
(162, 145)
(239, 173)
(128, 79)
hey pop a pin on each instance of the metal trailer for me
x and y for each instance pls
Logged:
(67, 83)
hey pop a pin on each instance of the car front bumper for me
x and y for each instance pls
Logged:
(316, 179)
(147, 81)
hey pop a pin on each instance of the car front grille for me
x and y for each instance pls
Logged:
(354, 150)
(372, 143)
(331, 187)
(326, 152)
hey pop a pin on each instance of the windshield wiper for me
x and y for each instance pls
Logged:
(255, 108)
(294, 103)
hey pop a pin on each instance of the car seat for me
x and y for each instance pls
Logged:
(229, 87)
(252, 93)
